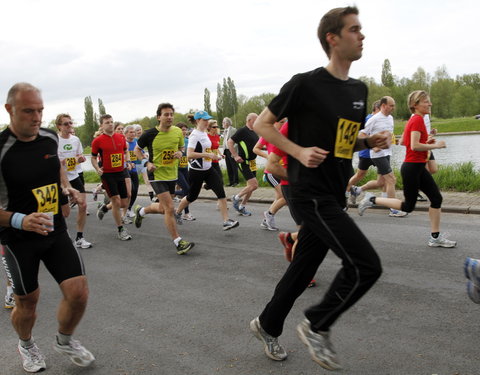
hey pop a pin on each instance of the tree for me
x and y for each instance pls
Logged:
(387, 76)
(255, 104)
(101, 108)
(441, 93)
(90, 123)
(227, 102)
(219, 103)
(206, 101)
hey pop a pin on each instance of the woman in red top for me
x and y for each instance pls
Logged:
(414, 174)
(212, 132)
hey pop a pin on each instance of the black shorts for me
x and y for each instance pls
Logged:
(160, 187)
(271, 179)
(21, 260)
(431, 156)
(125, 173)
(114, 184)
(247, 173)
(78, 184)
(383, 165)
(290, 204)
(364, 163)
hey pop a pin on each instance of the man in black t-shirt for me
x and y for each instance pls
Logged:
(32, 228)
(246, 139)
(325, 110)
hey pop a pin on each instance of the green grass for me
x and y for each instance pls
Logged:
(460, 124)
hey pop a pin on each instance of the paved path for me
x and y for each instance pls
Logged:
(452, 201)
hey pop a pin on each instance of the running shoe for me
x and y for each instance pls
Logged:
(154, 199)
(176, 199)
(354, 193)
(270, 221)
(101, 211)
(95, 194)
(272, 348)
(236, 203)
(138, 218)
(441, 241)
(123, 235)
(365, 203)
(421, 198)
(288, 247)
(77, 353)
(9, 301)
(319, 345)
(312, 284)
(184, 247)
(243, 212)
(32, 359)
(130, 214)
(178, 218)
(230, 224)
(397, 213)
(106, 199)
(188, 217)
(471, 268)
(72, 204)
(473, 291)
(126, 220)
(83, 243)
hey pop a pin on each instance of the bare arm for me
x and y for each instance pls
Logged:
(417, 146)
(258, 149)
(191, 154)
(274, 167)
(96, 166)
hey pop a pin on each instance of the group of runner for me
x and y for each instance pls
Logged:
(310, 155)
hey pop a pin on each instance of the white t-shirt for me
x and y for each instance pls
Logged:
(68, 150)
(376, 124)
(199, 142)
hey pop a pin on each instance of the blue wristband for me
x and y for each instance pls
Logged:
(16, 220)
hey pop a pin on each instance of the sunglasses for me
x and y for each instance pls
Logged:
(67, 123)
(214, 127)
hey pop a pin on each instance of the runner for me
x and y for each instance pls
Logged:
(165, 146)
(112, 149)
(232, 167)
(268, 221)
(119, 128)
(70, 153)
(414, 174)
(129, 132)
(246, 139)
(32, 229)
(200, 157)
(142, 170)
(325, 110)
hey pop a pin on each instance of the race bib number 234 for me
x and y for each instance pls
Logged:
(347, 132)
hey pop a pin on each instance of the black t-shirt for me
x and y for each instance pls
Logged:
(30, 180)
(246, 140)
(146, 140)
(326, 112)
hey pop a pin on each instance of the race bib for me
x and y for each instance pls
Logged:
(47, 198)
(116, 160)
(183, 162)
(209, 150)
(253, 165)
(133, 156)
(71, 163)
(347, 132)
(167, 157)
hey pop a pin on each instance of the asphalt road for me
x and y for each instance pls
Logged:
(154, 312)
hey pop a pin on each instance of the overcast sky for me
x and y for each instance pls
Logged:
(136, 54)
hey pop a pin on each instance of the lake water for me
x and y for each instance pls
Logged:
(460, 149)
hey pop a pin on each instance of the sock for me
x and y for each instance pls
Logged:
(120, 228)
(177, 240)
(270, 213)
(435, 234)
(289, 238)
(373, 199)
(63, 339)
(359, 190)
(237, 197)
(79, 235)
(104, 208)
(27, 343)
(150, 194)
(142, 212)
(9, 289)
(241, 206)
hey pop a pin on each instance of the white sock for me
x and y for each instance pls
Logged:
(237, 197)
(177, 240)
(9, 289)
(142, 212)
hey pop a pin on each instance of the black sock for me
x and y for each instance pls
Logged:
(150, 193)
(290, 239)
(79, 235)
(373, 199)
(435, 234)
(120, 228)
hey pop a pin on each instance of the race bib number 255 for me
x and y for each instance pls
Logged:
(347, 132)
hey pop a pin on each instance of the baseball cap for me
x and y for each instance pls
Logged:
(202, 115)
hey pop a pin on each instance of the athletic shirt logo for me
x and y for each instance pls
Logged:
(67, 147)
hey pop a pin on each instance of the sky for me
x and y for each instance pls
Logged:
(136, 54)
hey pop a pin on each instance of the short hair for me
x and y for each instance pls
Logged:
(104, 117)
(58, 120)
(376, 105)
(117, 124)
(191, 118)
(127, 128)
(211, 123)
(17, 87)
(137, 126)
(162, 106)
(332, 22)
(414, 98)
(181, 125)
(227, 120)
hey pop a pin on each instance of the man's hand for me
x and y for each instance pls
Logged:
(381, 140)
(150, 166)
(37, 222)
(312, 157)
(178, 154)
(100, 171)
(238, 159)
(73, 194)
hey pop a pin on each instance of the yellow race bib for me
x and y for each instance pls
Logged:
(253, 165)
(347, 132)
(133, 156)
(183, 162)
(47, 198)
(208, 150)
(71, 163)
(167, 157)
(116, 160)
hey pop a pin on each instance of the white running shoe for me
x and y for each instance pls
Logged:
(270, 220)
(365, 203)
(188, 217)
(33, 360)
(272, 347)
(9, 301)
(130, 214)
(77, 353)
(230, 224)
(397, 213)
(124, 235)
(441, 241)
(83, 243)
(126, 220)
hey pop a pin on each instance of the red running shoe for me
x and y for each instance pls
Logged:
(283, 237)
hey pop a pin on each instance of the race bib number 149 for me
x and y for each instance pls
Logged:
(347, 132)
